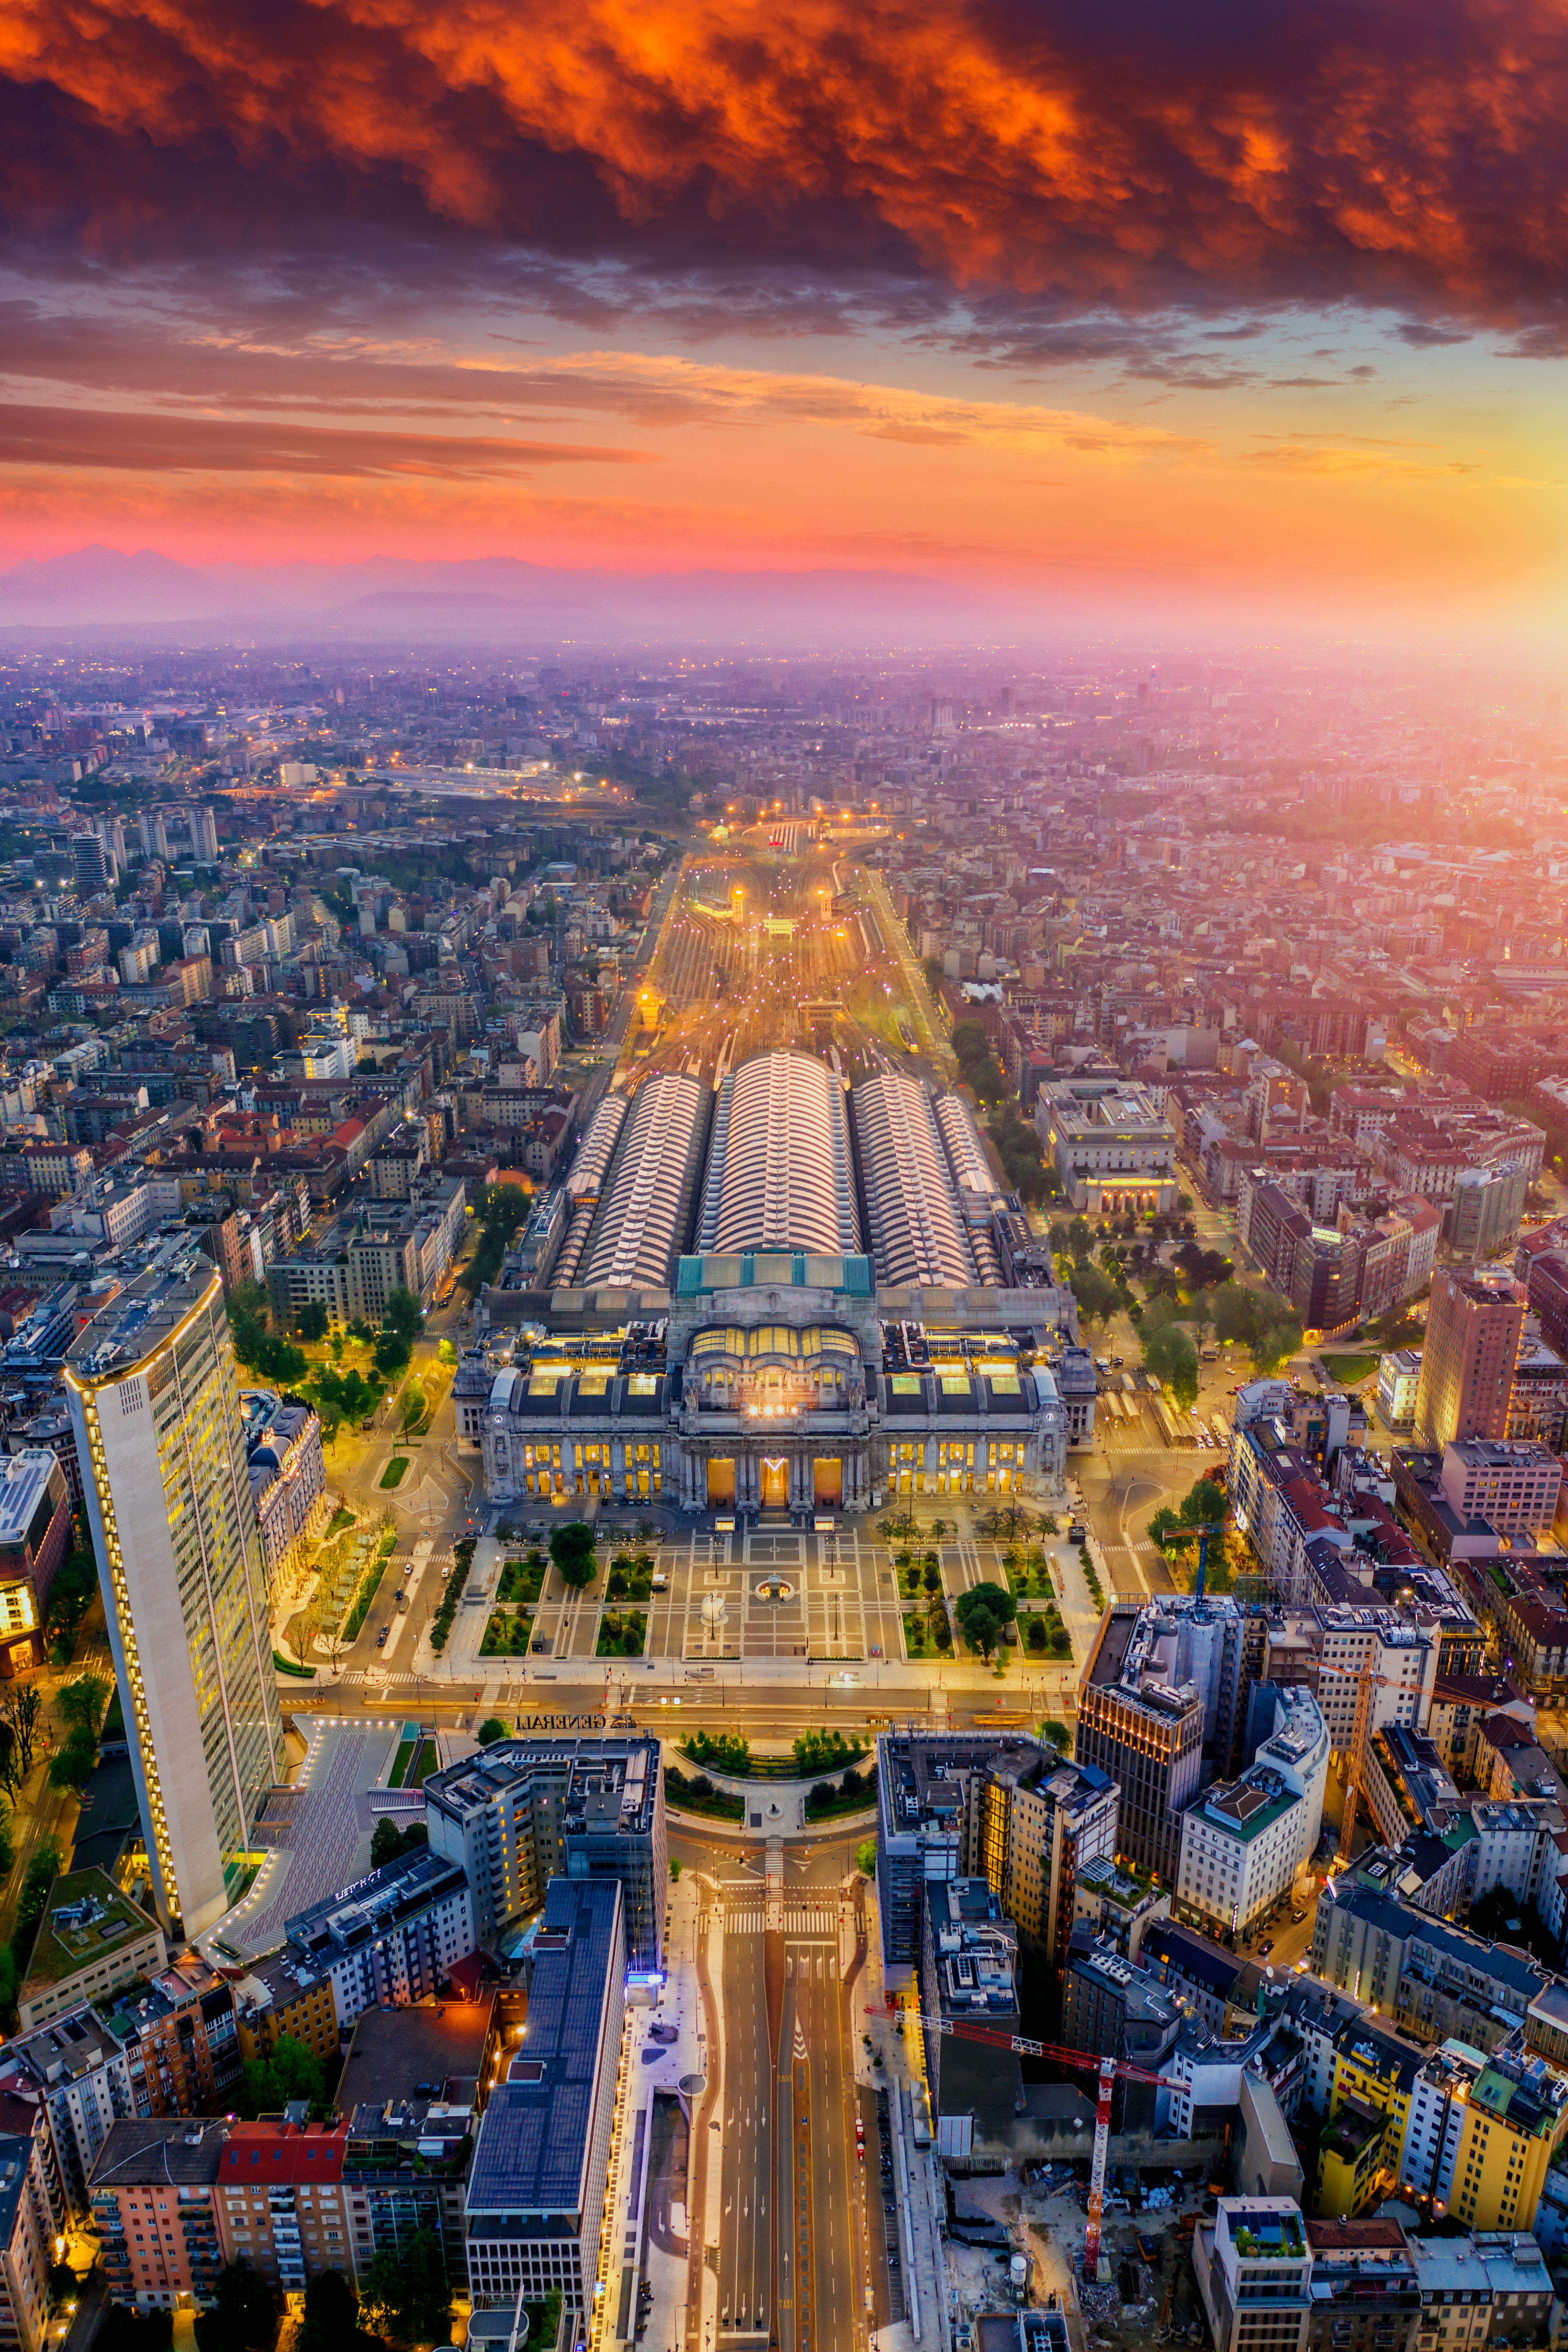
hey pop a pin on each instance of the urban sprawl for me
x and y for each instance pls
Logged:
(783, 1547)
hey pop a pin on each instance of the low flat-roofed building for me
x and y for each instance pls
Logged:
(413, 2075)
(91, 1941)
(536, 2188)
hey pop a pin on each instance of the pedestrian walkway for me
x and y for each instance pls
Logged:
(798, 1919)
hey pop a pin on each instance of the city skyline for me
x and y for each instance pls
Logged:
(1091, 321)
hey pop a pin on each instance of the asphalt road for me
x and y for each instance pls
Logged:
(758, 2112)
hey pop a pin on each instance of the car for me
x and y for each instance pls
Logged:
(381, 1638)
(1118, 1362)
(1264, 1949)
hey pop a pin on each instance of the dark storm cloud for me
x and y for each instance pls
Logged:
(1129, 157)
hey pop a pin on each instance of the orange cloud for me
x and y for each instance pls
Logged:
(1125, 154)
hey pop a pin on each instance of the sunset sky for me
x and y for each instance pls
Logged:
(1219, 306)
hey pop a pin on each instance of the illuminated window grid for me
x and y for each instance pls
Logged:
(127, 1643)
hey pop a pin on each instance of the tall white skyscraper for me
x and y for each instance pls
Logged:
(203, 837)
(154, 1402)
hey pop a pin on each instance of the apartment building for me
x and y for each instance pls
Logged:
(1512, 1485)
(1432, 1979)
(1245, 1843)
(281, 2202)
(92, 1940)
(1467, 1356)
(26, 2247)
(1483, 2132)
(391, 1937)
(155, 2211)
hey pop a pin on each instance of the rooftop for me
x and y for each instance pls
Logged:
(143, 1318)
(85, 1919)
(173, 2148)
(533, 2142)
(430, 2050)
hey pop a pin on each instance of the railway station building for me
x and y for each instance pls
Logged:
(815, 1301)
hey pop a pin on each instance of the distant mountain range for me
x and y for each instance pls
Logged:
(497, 599)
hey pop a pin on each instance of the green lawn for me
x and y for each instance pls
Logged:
(1350, 1368)
(401, 1762)
(337, 1523)
(393, 1474)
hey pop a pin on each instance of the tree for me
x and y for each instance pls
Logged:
(490, 1730)
(571, 1549)
(312, 1321)
(933, 972)
(125, 2329)
(292, 2072)
(1171, 1356)
(70, 1767)
(83, 1701)
(406, 2293)
(404, 1314)
(242, 2318)
(1096, 1293)
(983, 1613)
(20, 1710)
(331, 2323)
(865, 1857)
(385, 1842)
(1267, 1326)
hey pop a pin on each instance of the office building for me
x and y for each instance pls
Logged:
(92, 865)
(1044, 1821)
(1161, 1685)
(203, 837)
(938, 1818)
(154, 1403)
(393, 1936)
(969, 1976)
(1112, 2008)
(34, 1536)
(1473, 1330)
(535, 2204)
(154, 2209)
(524, 1812)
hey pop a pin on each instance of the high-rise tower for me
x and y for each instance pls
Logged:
(1467, 1362)
(154, 1403)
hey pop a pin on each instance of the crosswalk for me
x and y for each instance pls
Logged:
(799, 1920)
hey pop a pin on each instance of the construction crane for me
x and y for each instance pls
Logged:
(1110, 2071)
